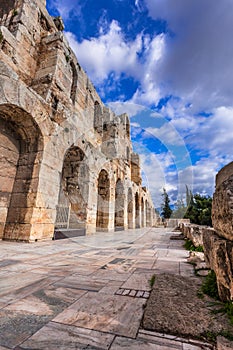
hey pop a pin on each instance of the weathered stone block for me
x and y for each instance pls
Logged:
(222, 209)
(194, 233)
(219, 257)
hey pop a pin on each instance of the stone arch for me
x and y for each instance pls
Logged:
(98, 117)
(102, 217)
(137, 211)
(142, 213)
(130, 208)
(21, 147)
(119, 205)
(148, 214)
(127, 154)
(73, 197)
(74, 82)
(127, 126)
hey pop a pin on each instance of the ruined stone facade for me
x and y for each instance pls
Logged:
(66, 160)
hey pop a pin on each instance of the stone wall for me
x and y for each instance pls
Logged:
(218, 241)
(173, 223)
(66, 159)
(219, 257)
(222, 209)
(193, 232)
(220, 244)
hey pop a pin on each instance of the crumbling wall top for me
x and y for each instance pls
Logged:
(224, 174)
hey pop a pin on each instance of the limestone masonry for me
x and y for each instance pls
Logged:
(66, 160)
(218, 241)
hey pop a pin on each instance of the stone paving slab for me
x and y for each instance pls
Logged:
(81, 282)
(130, 344)
(13, 281)
(55, 336)
(22, 292)
(167, 339)
(111, 287)
(98, 311)
(104, 274)
(62, 294)
(16, 327)
(139, 281)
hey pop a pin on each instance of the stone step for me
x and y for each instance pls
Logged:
(68, 233)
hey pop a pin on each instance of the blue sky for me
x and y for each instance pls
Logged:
(168, 64)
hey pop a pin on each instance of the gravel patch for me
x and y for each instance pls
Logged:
(175, 308)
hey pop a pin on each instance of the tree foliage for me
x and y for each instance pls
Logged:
(199, 210)
(166, 209)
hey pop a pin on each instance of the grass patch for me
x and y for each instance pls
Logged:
(152, 281)
(225, 308)
(200, 294)
(209, 286)
(228, 335)
(189, 246)
(15, 13)
(228, 308)
(212, 336)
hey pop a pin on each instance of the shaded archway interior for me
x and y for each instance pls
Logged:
(21, 147)
(72, 204)
(119, 205)
(137, 211)
(102, 218)
(130, 208)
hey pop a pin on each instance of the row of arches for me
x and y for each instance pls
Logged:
(129, 210)
(117, 205)
(125, 209)
(31, 192)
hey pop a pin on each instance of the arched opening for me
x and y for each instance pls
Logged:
(72, 206)
(21, 147)
(74, 82)
(98, 117)
(127, 126)
(142, 213)
(102, 218)
(127, 154)
(119, 205)
(137, 211)
(130, 208)
(148, 214)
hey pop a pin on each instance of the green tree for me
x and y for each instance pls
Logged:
(166, 209)
(199, 210)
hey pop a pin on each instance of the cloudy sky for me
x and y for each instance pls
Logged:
(169, 64)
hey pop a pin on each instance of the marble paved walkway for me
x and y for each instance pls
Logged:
(86, 292)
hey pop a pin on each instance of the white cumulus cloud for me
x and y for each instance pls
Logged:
(107, 53)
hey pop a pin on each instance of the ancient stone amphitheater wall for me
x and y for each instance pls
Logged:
(66, 160)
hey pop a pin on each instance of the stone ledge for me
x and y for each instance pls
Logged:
(150, 335)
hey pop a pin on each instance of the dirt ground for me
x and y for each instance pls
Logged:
(175, 308)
